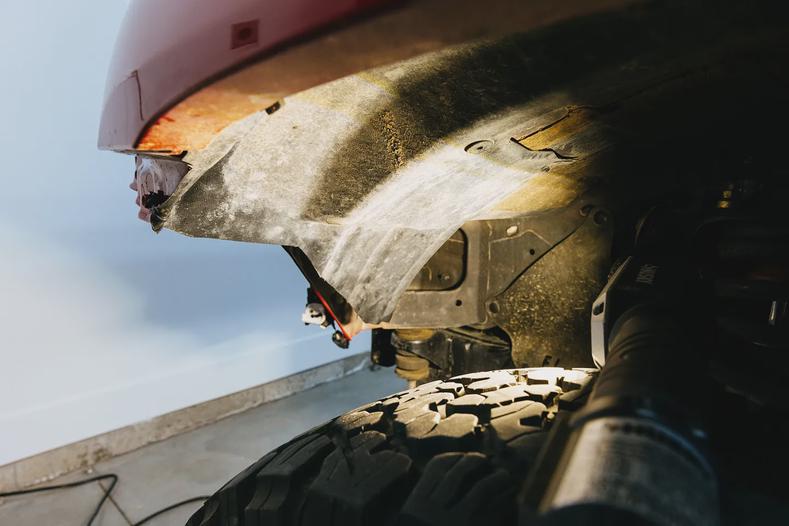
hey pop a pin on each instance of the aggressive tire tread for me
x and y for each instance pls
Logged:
(446, 452)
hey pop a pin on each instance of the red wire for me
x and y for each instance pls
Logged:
(331, 312)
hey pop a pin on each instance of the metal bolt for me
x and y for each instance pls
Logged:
(512, 230)
(778, 311)
(600, 218)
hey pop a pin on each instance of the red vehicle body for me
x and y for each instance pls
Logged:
(168, 49)
(183, 70)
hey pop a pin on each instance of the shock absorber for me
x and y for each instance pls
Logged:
(637, 452)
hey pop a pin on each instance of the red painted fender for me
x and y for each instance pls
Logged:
(169, 49)
(185, 69)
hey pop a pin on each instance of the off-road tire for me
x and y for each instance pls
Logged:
(447, 452)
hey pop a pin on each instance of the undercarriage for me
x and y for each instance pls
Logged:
(570, 241)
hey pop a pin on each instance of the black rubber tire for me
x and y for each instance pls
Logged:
(447, 452)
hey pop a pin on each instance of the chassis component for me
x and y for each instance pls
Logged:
(583, 133)
(642, 447)
(467, 204)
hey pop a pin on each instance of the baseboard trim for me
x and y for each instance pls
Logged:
(85, 453)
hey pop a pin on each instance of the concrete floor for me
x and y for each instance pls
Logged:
(195, 463)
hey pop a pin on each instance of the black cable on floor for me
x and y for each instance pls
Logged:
(168, 508)
(110, 476)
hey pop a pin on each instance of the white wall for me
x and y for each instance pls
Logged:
(102, 322)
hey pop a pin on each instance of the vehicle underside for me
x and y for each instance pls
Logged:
(571, 240)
